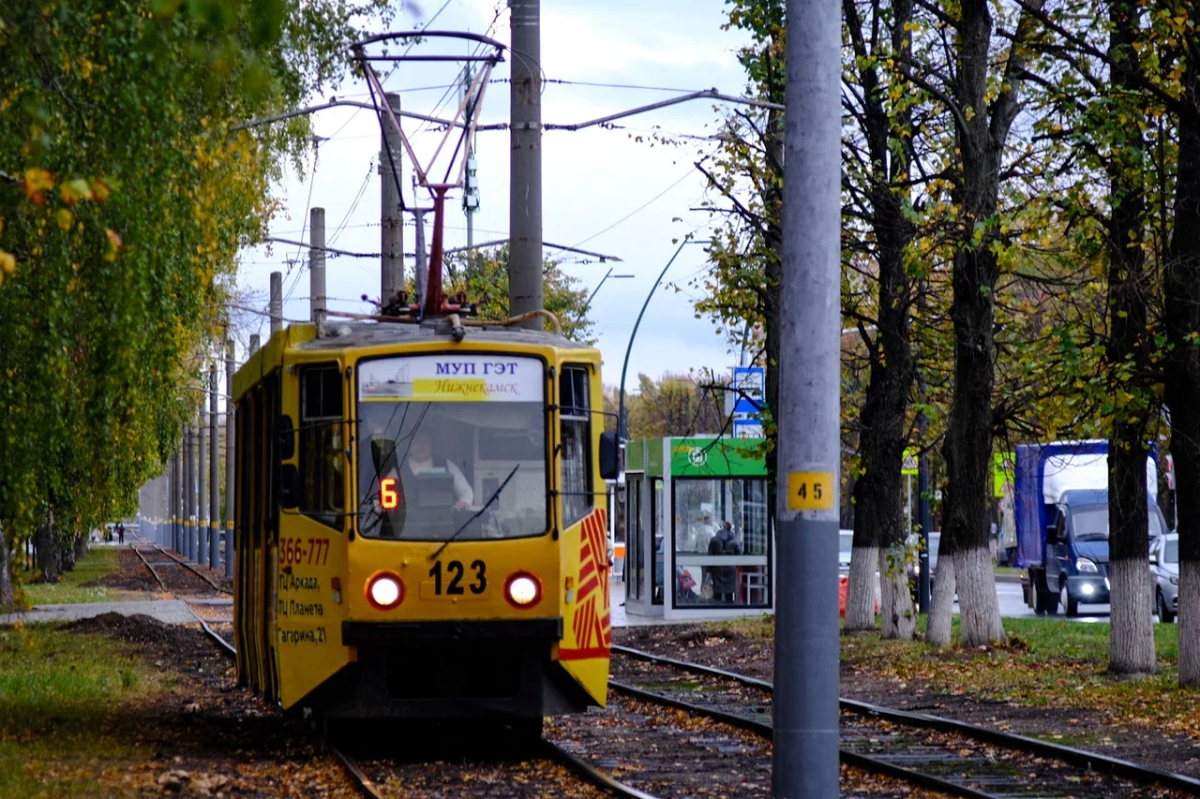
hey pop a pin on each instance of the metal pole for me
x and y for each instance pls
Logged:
(525, 162)
(422, 257)
(253, 343)
(470, 199)
(276, 302)
(202, 487)
(230, 470)
(214, 475)
(316, 266)
(391, 275)
(621, 431)
(805, 707)
(595, 291)
(923, 519)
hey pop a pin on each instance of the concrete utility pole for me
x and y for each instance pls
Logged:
(805, 759)
(193, 506)
(176, 493)
(276, 305)
(525, 162)
(422, 267)
(214, 465)
(202, 486)
(230, 470)
(390, 207)
(316, 266)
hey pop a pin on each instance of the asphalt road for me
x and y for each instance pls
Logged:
(1012, 605)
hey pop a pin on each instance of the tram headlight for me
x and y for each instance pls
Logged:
(523, 590)
(385, 590)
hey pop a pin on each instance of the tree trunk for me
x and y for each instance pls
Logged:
(896, 612)
(1131, 641)
(47, 549)
(860, 593)
(1182, 314)
(879, 517)
(979, 606)
(81, 547)
(941, 609)
(7, 597)
(982, 125)
(67, 555)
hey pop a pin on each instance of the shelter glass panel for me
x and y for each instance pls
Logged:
(634, 562)
(657, 528)
(722, 543)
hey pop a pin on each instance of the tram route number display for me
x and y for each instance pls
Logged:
(448, 581)
(307, 551)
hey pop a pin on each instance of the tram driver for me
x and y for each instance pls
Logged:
(422, 461)
(424, 491)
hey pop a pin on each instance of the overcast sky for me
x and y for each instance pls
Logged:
(591, 179)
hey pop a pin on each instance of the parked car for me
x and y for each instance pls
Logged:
(1164, 571)
(845, 546)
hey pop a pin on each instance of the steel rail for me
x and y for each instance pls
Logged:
(192, 569)
(591, 773)
(367, 788)
(1080, 758)
(146, 563)
(361, 781)
(862, 761)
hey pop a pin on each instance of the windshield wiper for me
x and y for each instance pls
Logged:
(477, 514)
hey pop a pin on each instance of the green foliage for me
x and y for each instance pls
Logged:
(73, 588)
(123, 201)
(673, 405)
(483, 275)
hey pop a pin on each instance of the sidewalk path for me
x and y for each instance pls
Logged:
(168, 611)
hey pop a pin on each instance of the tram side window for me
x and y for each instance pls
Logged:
(321, 457)
(574, 410)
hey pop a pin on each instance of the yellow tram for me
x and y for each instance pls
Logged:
(421, 522)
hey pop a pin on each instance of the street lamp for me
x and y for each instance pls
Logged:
(592, 296)
(629, 349)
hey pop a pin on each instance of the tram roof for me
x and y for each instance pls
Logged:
(347, 335)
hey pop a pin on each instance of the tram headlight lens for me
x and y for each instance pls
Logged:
(523, 590)
(385, 591)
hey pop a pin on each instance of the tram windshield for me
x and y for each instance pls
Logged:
(452, 446)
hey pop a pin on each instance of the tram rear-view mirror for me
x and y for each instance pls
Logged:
(609, 466)
(289, 486)
(286, 433)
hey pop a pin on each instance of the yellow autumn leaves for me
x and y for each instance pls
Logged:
(37, 184)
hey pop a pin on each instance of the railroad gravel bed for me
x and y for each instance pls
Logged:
(178, 579)
(450, 772)
(953, 757)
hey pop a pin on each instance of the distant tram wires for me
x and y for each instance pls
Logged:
(353, 205)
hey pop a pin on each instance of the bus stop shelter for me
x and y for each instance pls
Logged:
(698, 529)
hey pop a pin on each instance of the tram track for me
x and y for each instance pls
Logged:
(942, 754)
(368, 787)
(180, 561)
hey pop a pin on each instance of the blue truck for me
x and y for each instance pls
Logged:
(1061, 508)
